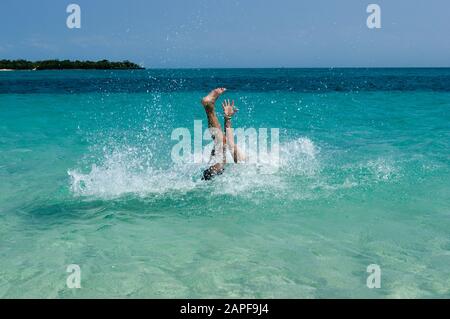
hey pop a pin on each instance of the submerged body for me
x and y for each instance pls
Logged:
(222, 142)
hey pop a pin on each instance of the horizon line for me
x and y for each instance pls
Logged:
(248, 68)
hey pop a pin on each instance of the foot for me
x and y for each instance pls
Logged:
(209, 100)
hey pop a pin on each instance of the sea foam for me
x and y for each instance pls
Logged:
(126, 171)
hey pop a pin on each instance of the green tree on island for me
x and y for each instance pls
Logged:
(68, 65)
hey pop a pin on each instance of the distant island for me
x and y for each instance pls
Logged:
(67, 65)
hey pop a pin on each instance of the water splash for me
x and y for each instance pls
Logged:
(128, 171)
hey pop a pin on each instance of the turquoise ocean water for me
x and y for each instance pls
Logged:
(86, 178)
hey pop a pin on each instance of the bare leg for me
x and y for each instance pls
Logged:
(229, 110)
(208, 103)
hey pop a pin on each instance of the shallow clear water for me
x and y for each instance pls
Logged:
(86, 178)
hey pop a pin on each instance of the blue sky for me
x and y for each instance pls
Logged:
(230, 33)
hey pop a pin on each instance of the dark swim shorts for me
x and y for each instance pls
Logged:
(210, 173)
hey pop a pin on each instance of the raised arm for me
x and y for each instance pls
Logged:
(229, 110)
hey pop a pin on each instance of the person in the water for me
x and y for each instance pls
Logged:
(221, 141)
